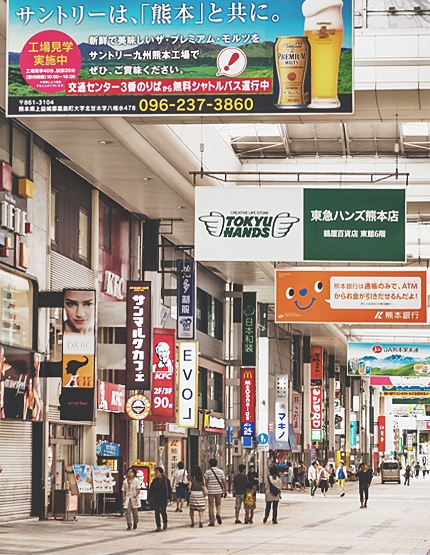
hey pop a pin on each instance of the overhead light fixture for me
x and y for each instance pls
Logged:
(418, 9)
(146, 178)
(180, 207)
(391, 8)
(105, 142)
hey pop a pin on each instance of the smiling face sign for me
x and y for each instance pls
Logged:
(326, 296)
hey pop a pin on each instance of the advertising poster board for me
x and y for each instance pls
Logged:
(332, 295)
(102, 478)
(401, 361)
(177, 58)
(84, 477)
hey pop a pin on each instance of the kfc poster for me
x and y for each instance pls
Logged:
(163, 398)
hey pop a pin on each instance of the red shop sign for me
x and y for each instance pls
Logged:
(163, 391)
(111, 397)
(316, 408)
(317, 363)
(381, 434)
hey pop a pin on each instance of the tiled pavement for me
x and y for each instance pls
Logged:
(397, 521)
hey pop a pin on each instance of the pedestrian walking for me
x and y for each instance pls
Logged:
(254, 480)
(249, 504)
(424, 470)
(180, 480)
(301, 471)
(240, 485)
(364, 476)
(322, 480)
(312, 477)
(198, 493)
(130, 498)
(417, 469)
(290, 476)
(331, 475)
(273, 494)
(341, 476)
(217, 488)
(160, 491)
(407, 475)
(296, 481)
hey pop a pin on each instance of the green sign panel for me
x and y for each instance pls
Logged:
(367, 225)
(316, 435)
(249, 325)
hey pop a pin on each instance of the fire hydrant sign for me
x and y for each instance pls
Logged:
(177, 57)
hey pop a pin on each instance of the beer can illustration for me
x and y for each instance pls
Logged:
(292, 77)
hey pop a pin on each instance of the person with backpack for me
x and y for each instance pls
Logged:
(240, 485)
(341, 478)
(180, 479)
(273, 494)
(249, 504)
(217, 488)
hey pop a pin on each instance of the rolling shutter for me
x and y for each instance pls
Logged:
(16, 461)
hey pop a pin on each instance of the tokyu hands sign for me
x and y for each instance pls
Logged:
(295, 224)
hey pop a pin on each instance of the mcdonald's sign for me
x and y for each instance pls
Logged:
(247, 402)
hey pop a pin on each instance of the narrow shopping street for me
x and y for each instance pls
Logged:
(396, 521)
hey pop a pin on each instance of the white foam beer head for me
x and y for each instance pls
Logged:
(331, 10)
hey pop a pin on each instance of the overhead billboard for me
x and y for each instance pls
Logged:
(335, 295)
(179, 58)
(391, 359)
(296, 224)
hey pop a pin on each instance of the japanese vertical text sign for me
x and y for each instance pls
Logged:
(163, 379)
(179, 58)
(247, 402)
(188, 382)
(317, 364)
(381, 434)
(78, 372)
(389, 296)
(281, 409)
(249, 327)
(186, 302)
(316, 408)
(297, 413)
(138, 374)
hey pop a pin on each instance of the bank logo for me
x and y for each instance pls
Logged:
(218, 225)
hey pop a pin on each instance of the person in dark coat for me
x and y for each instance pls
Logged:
(364, 476)
(160, 492)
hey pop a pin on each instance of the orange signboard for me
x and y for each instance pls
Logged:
(316, 363)
(334, 295)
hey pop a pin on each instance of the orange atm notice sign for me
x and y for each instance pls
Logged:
(339, 296)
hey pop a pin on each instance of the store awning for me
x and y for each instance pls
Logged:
(289, 445)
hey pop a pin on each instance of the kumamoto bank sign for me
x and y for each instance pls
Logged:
(295, 224)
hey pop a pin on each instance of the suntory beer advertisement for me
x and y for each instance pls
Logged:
(179, 58)
(330, 295)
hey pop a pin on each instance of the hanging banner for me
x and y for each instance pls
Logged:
(138, 370)
(281, 409)
(110, 397)
(344, 296)
(297, 413)
(247, 402)
(163, 391)
(78, 364)
(188, 384)
(186, 299)
(353, 430)
(339, 421)
(389, 359)
(317, 364)
(249, 329)
(297, 224)
(180, 58)
(381, 434)
(316, 408)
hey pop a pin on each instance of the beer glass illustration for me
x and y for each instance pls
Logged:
(324, 30)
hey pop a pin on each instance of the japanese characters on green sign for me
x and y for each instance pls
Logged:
(249, 313)
(355, 224)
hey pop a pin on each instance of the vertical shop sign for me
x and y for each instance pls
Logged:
(163, 400)
(174, 455)
(78, 365)
(138, 374)
(316, 408)
(188, 384)
(249, 312)
(247, 402)
(281, 409)
(186, 299)
(297, 413)
(381, 434)
(316, 364)
(353, 430)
